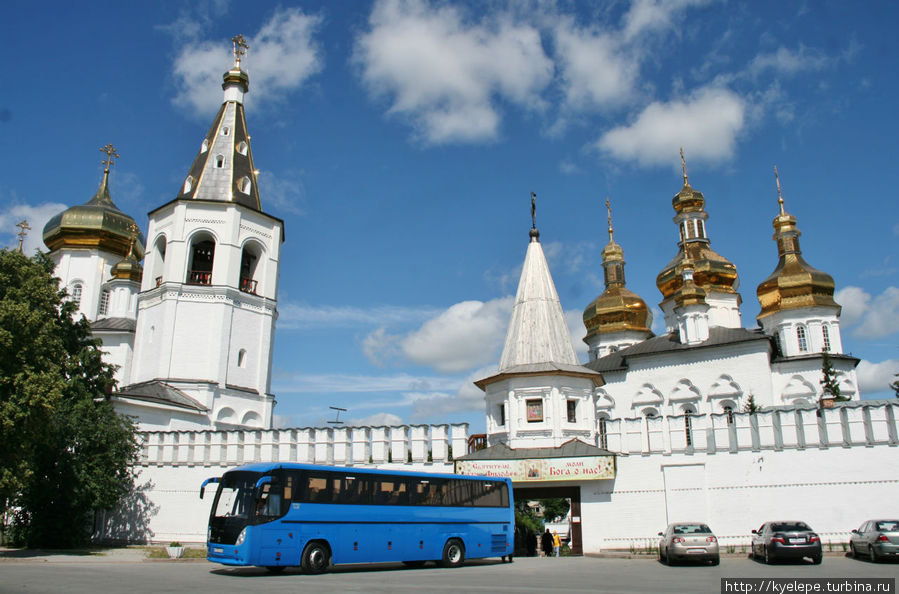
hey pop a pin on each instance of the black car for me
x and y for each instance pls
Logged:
(786, 540)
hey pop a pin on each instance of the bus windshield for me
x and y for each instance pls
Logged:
(235, 497)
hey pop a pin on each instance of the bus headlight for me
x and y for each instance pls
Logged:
(241, 537)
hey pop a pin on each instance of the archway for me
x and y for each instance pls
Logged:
(573, 494)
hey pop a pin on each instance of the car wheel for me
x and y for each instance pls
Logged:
(316, 557)
(852, 552)
(453, 553)
(716, 560)
(817, 559)
(875, 556)
(768, 558)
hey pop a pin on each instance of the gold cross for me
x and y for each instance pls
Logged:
(240, 48)
(133, 230)
(683, 163)
(24, 228)
(609, 209)
(533, 210)
(110, 155)
(780, 196)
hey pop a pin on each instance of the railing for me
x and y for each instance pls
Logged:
(158, 280)
(248, 285)
(477, 441)
(198, 277)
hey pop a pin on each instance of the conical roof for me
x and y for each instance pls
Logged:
(537, 331)
(98, 223)
(223, 170)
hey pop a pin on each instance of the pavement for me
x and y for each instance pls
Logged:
(93, 555)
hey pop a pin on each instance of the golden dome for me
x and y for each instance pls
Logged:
(793, 284)
(129, 268)
(712, 272)
(618, 308)
(689, 293)
(98, 223)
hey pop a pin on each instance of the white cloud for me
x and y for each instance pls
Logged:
(876, 377)
(705, 124)
(362, 384)
(448, 75)
(594, 71)
(575, 321)
(875, 317)
(281, 194)
(381, 419)
(648, 16)
(298, 315)
(36, 216)
(282, 56)
(468, 334)
(789, 62)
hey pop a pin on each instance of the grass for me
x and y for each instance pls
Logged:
(189, 553)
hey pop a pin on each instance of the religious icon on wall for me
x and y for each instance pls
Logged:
(534, 411)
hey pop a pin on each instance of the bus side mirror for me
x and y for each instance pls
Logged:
(266, 480)
(214, 479)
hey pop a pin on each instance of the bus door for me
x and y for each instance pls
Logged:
(280, 541)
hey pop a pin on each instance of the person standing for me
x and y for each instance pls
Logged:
(546, 543)
(557, 543)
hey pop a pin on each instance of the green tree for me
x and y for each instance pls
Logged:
(750, 406)
(829, 382)
(64, 452)
(895, 385)
(557, 507)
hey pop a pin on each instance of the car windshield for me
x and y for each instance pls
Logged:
(888, 526)
(691, 529)
(790, 527)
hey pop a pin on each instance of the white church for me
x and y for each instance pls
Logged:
(652, 429)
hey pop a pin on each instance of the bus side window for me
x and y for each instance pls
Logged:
(391, 490)
(317, 489)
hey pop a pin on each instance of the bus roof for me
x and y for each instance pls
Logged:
(269, 466)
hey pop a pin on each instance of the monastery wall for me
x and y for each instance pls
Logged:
(832, 470)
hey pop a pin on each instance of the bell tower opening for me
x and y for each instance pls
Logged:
(202, 254)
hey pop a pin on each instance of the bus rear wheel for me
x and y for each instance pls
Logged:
(453, 553)
(316, 557)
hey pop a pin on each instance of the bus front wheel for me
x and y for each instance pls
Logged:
(316, 557)
(453, 553)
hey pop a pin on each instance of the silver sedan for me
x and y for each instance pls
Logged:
(878, 539)
(688, 540)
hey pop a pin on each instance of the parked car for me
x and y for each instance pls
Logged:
(688, 540)
(786, 540)
(876, 538)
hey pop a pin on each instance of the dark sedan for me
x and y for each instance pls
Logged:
(786, 540)
(877, 539)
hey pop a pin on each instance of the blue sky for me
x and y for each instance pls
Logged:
(399, 140)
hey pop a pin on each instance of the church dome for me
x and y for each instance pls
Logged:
(712, 272)
(793, 284)
(98, 223)
(618, 308)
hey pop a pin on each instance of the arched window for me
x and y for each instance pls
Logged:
(104, 302)
(76, 294)
(202, 254)
(188, 184)
(245, 185)
(802, 338)
(242, 358)
(729, 410)
(219, 161)
(603, 432)
(501, 417)
(249, 267)
(689, 411)
(825, 334)
(205, 146)
(159, 260)
(650, 413)
(226, 131)
(242, 147)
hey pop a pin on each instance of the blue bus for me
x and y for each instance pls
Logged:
(280, 515)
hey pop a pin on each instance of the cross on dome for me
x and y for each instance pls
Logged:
(110, 155)
(240, 48)
(24, 227)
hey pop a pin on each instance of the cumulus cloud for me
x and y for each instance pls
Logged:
(283, 55)
(595, 72)
(869, 317)
(298, 315)
(381, 419)
(647, 16)
(876, 377)
(36, 215)
(447, 75)
(706, 125)
(468, 334)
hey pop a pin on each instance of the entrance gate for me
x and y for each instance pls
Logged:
(572, 493)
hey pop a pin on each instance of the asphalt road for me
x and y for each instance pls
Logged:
(538, 575)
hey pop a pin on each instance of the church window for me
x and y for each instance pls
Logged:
(249, 262)
(226, 131)
(572, 411)
(76, 294)
(825, 334)
(245, 185)
(700, 228)
(242, 147)
(104, 302)
(242, 358)
(534, 410)
(188, 184)
(729, 411)
(650, 413)
(603, 433)
(219, 161)
(205, 146)
(202, 253)
(802, 339)
(502, 415)
(688, 425)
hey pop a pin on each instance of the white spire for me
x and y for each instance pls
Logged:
(537, 332)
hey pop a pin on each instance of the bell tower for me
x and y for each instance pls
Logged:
(208, 301)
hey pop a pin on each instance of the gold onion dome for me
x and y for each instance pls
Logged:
(129, 268)
(712, 271)
(98, 223)
(793, 284)
(618, 308)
